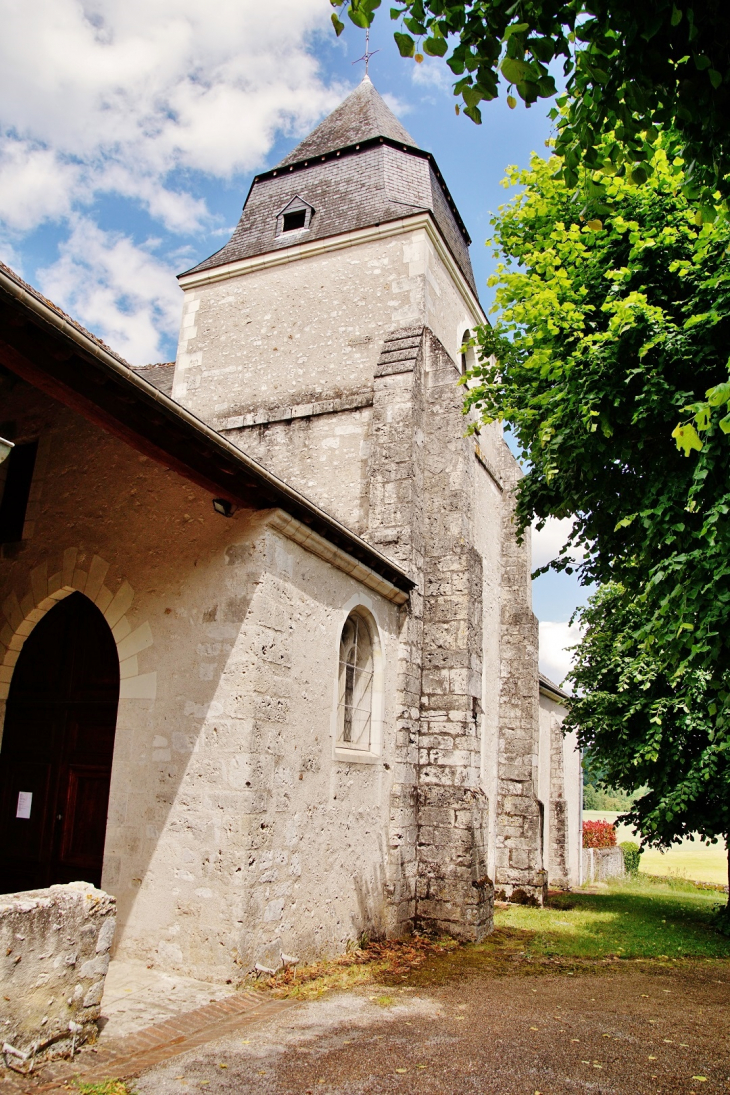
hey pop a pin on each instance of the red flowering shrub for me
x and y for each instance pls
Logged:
(599, 834)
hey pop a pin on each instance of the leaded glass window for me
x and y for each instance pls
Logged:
(355, 707)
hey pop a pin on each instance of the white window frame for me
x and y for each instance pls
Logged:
(296, 204)
(363, 607)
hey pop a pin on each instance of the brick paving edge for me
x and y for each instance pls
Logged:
(127, 1057)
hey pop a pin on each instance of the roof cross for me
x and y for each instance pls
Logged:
(367, 54)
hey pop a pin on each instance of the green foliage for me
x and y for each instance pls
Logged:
(636, 69)
(596, 798)
(632, 918)
(653, 725)
(632, 856)
(596, 794)
(105, 1087)
(687, 434)
(608, 329)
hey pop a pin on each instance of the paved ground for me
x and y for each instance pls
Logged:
(625, 1030)
(147, 1017)
(458, 1023)
(136, 996)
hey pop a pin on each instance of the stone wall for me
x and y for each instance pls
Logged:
(396, 526)
(519, 862)
(436, 507)
(54, 947)
(282, 359)
(358, 433)
(560, 790)
(600, 864)
(233, 827)
(455, 892)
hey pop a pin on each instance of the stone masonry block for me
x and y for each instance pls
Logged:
(55, 947)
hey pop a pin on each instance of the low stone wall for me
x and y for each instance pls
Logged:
(602, 863)
(54, 954)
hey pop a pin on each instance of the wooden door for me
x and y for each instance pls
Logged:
(56, 758)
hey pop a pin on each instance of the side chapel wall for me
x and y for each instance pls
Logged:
(560, 781)
(226, 799)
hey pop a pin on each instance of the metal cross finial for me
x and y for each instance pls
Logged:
(367, 54)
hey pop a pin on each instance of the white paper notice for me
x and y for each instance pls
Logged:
(25, 799)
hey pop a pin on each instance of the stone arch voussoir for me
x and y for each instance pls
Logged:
(21, 611)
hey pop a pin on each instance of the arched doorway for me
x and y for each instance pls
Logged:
(56, 757)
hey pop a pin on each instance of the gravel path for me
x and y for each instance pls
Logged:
(623, 1029)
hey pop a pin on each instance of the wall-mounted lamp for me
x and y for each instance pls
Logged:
(224, 507)
(6, 447)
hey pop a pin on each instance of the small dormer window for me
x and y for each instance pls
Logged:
(295, 217)
(295, 220)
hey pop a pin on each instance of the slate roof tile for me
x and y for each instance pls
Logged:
(362, 116)
(357, 169)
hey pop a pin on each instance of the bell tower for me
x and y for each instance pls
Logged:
(325, 340)
(352, 236)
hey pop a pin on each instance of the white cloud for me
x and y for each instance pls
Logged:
(8, 253)
(32, 179)
(118, 290)
(128, 98)
(116, 95)
(555, 659)
(434, 72)
(548, 541)
(398, 106)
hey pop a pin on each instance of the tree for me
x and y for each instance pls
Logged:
(652, 727)
(607, 332)
(633, 69)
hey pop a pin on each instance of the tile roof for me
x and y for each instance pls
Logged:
(376, 175)
(161, 375)
(64, 317)
(362, 116)
(53, 352)
(552, 690)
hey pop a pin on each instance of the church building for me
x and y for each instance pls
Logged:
(268, 661)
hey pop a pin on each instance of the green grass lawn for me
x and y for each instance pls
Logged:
(106, 1087)
(634, 919)
(690, 859)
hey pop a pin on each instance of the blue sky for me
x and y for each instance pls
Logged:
(130, 132)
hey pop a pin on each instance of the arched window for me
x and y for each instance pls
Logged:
(356, 672)
(468, 357)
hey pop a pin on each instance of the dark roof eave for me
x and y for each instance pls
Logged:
(553, 691)
(45, 347)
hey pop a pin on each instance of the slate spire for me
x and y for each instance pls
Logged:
(363, 115)
(359, 168)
